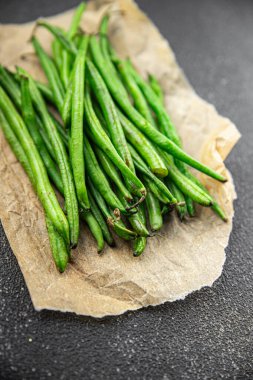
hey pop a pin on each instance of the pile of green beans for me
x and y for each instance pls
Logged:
(98, 136)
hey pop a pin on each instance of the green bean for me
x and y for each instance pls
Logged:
(100, 138)
(94, 228)
(142, 168)
(67, 102)
(98, 178)
(181, 209)
(190, 205)
(65, 69)
(51, 73)
(57, 53)
(43, 187)
(140, 243)
(30, 121)
(53, 235)
(58, 246)
(104, 49)
(10, 86)
(100, 219)
(138, 98)
(112, 173)
(154, 212)
(59, 35)
(144, 147)
(110, 114)
(76, 139)
(61, 159)
(117, 226)
(155, 85)
(139, 246)
(134, 219)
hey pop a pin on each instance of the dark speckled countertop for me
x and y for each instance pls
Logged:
(209, 334)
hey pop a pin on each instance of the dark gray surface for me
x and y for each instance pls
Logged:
(206, 336)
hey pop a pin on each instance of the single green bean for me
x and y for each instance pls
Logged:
(57, 53)
(154, 212)
(59, 35)
(51, 73)
(76, 140)
(66, 58)
(190, 205)
(139, 244)
(43, 187)
(58, 246)
(104, 49)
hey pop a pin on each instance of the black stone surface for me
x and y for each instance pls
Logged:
(209, 334)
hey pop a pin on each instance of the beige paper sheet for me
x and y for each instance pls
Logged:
(182, 258)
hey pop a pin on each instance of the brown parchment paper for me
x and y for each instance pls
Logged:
(183, 257)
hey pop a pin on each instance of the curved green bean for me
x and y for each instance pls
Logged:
(51, 73)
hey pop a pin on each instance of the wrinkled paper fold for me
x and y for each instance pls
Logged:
(183, 257)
